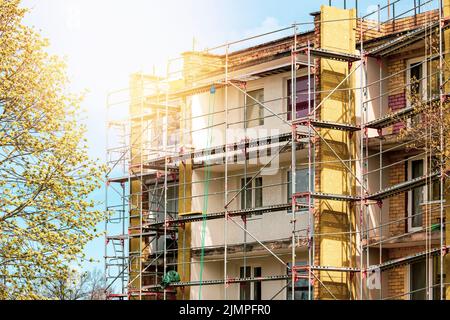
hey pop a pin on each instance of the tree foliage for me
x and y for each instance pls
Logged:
(46, 176)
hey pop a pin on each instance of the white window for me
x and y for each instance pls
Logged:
(254, 112)
(252, 195)
(424, 279)
(301, 185)
(250, 290)
(416, 196)
(417, 77)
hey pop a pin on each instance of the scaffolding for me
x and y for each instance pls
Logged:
(152, 159)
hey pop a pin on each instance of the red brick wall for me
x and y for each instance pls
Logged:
(396, 88)
(397, 102)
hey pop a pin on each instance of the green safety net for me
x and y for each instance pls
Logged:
(171, 277)
(435, 227)
(206, 185)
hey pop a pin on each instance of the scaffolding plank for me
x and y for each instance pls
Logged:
(407, 260)
(336, 269)
(146, 175)
(326, 196)
(221, 281)
(327, 124)
(394, 117)
(391, 118)
(402, 187)
(202, 153)
(405, 40)
(329, 54)
(221, 215)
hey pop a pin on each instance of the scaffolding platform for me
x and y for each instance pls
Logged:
(402, 187)
(335, 269)
(327, 124)
(408, 259)
(158, 163)
(392, 118)
(221, 281)
(221, 215)
(326, 196)
(405, 40)
(328, 54)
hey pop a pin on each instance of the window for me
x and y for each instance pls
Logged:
(252, 195)
(172, 199)
(254, 112)
(244, 287)
(416, 78)
(415, 196)
(301, 105)
(436, 274)
(250, 290)
(419, 281)
(156, 201)
(301, 286)
(257, 285)
(301, 185)
(417, 81)
(258, 192)
(434, 190)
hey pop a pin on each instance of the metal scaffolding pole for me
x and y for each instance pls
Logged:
(311, 174)
(225, 235)
(441, 143)
(361, 165)
(293, 156)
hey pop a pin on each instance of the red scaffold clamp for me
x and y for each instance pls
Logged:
(364, 274)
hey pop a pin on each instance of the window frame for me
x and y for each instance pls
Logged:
(289, 108)
(248, 102)
(252, 189)
(424, 83)
(251, 285)
(410, 195)
(431, 277)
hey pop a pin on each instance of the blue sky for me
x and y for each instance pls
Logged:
(106, 40)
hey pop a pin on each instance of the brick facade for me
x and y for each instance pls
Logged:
(396, 87)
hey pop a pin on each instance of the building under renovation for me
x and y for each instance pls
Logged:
(312, 166)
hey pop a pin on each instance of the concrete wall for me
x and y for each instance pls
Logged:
(275, 91)
(214, 271)
(266, 227)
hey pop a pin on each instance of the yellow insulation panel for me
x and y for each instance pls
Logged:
(335, 178)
